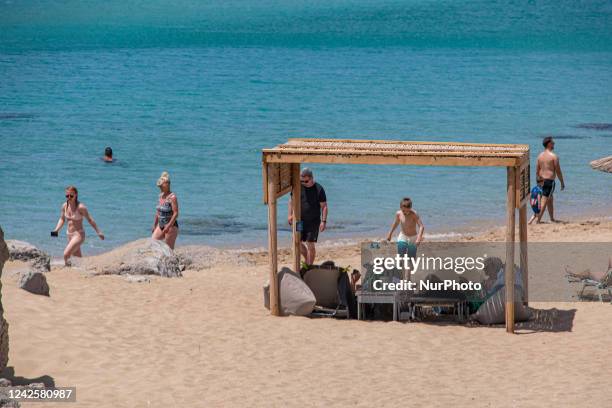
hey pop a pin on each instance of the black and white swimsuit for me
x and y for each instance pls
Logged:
(164, 211)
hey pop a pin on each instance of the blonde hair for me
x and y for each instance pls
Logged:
(164, 178)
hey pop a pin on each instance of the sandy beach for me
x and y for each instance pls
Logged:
(205, 340)
(229, 127)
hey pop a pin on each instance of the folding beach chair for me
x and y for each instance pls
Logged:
(601, 286)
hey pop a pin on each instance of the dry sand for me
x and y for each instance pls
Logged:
(205, 340)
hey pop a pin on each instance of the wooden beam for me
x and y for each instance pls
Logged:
(284, 191)
(265, 178)
(278, 157)
(282, 173)
(408, 142)
(272, 242)
(373, 151)
(522, 185)
(296, 203)
(509, 268)
(524, 262)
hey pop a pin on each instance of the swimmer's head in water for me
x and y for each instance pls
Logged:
(164, 179)
(108, 152)
(72, 194)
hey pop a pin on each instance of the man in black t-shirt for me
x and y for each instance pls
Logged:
(313, 207)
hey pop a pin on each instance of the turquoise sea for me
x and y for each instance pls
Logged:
(199, 89)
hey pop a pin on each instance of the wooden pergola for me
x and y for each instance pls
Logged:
(281, 175)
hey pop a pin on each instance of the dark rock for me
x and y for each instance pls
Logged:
(26, 252)
(34, 282)
(4, 339)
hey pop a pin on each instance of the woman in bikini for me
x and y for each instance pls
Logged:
(165, 226)
(74, 211)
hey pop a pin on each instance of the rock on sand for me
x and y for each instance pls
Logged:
(142, 257)
(4, 340)
(34, 282)
(26, 252)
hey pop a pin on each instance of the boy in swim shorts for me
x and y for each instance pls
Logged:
(408, 220)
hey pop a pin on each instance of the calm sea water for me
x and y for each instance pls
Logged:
(199, 89)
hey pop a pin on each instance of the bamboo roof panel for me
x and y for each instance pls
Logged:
(398, 152)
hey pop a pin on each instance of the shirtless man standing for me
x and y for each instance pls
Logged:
(408, 238)
(548, 169)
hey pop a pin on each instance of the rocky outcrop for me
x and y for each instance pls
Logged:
(26, 252)
(4, 340)
(142, 257)
(33, 279)
(34, 282)
(5, 400)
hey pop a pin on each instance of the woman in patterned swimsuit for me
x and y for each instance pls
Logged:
(165, 226)
(74, 211)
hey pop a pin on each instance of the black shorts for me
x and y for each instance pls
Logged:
(548, 188)
(310, 230)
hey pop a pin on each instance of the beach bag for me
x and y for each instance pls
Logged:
(493, 310)
(346, 296)
(296, 298)
(323, 282)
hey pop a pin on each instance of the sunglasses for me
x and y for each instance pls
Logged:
(304, 181)
(69, 195)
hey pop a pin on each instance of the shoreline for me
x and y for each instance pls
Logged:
(465, 232)
(493, 233)
(593, 229)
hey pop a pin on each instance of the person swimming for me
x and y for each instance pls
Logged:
(108, 155)
(74, 211)
(165, 224)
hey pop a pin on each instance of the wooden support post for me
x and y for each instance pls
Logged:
(272, 242)
(523, 238)
(296, 204)
(509, 269)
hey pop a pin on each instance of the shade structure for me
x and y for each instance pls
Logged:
(281, 175)
(603, 164)
(352, 151)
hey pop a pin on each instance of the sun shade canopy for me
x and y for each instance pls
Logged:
(281, 175)
(397, 153)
